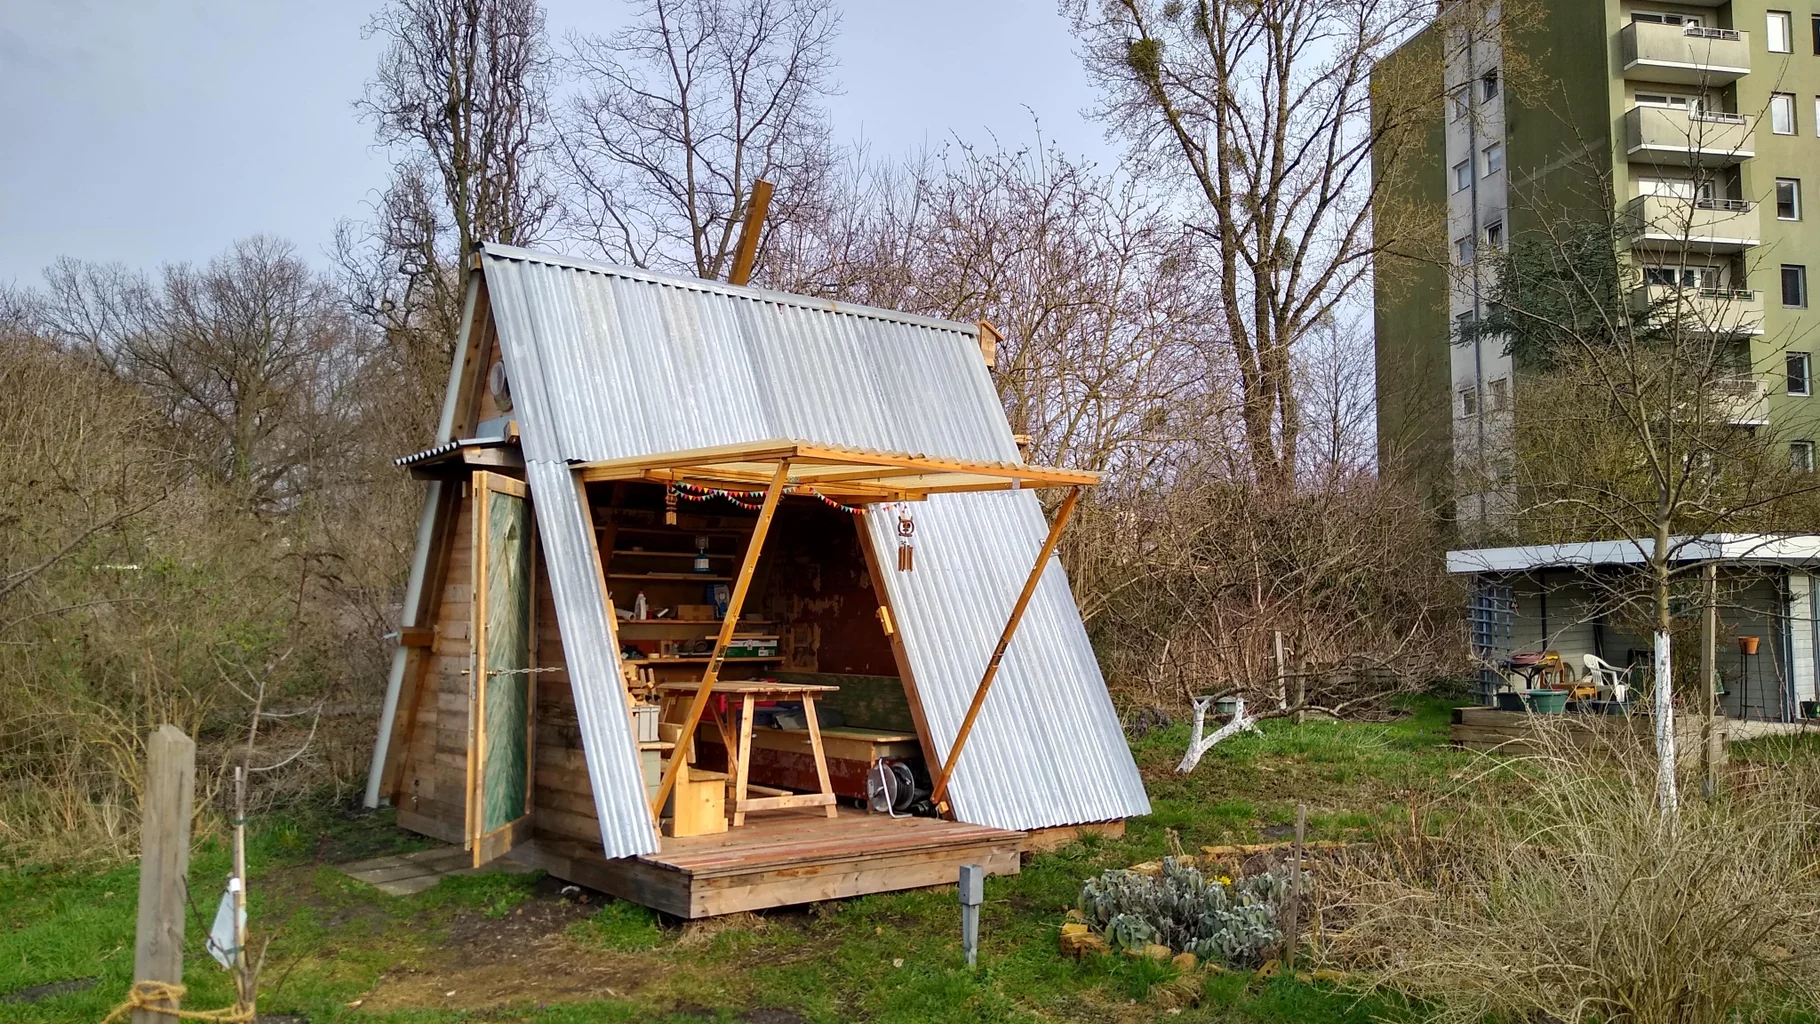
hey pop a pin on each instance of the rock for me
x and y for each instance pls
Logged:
(1185, 962)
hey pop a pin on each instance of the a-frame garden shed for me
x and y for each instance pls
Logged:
(661, 582)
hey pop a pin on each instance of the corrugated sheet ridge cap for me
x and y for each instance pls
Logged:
(498, 251)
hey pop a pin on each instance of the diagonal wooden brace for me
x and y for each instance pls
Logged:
(1004, 641)
(727, 626)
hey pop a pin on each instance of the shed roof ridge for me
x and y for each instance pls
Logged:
(497, 250)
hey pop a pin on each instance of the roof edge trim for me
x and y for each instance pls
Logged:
(495, 250)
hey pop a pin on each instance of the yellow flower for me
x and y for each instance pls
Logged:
(1223, 880)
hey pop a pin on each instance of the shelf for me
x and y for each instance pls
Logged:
(690, 659)
(678, 531)
(700, 577)
(692, 622)
(670, 554)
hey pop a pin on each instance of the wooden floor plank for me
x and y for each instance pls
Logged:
(784, 858)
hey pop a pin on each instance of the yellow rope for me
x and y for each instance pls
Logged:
(152, 995)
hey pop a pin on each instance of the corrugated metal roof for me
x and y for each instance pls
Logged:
(611, 363)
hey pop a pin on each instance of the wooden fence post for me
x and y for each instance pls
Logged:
(164, 863)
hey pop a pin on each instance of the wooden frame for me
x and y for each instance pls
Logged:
(488, 845)
(729, 623)
(841, 474)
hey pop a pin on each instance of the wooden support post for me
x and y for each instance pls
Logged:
(1004, 641)
(756, 207)
(1294, 926)
(728, 624)
(164, 863)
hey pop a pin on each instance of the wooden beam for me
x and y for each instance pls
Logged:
(729, 623)
(888, 620)
(989, 339)
(1004, 641)
(757, 205)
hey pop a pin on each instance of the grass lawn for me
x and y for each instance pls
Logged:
(515, 948)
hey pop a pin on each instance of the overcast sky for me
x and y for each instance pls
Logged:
(149, 131)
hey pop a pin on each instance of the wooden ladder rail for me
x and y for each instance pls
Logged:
(1004, 641)
(728, 624)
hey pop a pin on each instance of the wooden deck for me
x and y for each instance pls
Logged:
(782, 858)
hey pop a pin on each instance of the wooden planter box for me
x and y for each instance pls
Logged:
(1516, 732)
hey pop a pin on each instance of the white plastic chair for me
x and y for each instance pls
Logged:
(1613, 682)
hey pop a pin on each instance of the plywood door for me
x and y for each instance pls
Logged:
(502, 695)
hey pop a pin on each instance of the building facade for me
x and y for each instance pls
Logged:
(1694, 127)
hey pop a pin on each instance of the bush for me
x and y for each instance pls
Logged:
(1565, 894)
(1217, 919)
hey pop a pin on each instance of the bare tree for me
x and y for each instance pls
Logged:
(1265, 109)
(247, 358)
(460, 97)
(682, 111)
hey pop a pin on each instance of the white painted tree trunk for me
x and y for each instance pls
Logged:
(1241, 722)
(1666, 796)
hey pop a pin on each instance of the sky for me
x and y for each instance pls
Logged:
(154, 131)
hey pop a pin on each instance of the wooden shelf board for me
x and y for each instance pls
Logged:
(672, 554)
(670, 577)
(688, 659)
(692, 622)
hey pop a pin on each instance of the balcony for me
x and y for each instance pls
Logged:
(1684, 54)
(1741, 402)
(1675, 136)
(1693, 225)
(1714, 312)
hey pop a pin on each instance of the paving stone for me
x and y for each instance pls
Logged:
(374, 876)
(409, 886)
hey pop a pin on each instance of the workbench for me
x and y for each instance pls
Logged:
(739, 741)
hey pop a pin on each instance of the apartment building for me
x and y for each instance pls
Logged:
(1699, 123)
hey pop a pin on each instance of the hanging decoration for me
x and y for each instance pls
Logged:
(670, 505)
(906, 538)
(749, 500)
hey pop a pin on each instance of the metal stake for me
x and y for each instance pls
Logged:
(973, 893)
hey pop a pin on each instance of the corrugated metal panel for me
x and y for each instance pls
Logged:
(1047, 749)
(609, 363)
(563, 528)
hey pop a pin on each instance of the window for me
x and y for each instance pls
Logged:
(1494, 159)
(1800, 373)
(1794, 285)
(1494, 234)
(1662, 99)
(1488, 86)
(1463, 250)
(1682, 277)
(1778, 33)
(1817, 35)
(1462, 104)
(1462, 176)
(1801, 456)
(1673, 188)
(1788, 199)
(1500, 394)
(1469, 402)
(1782, 113)
(1661, 18)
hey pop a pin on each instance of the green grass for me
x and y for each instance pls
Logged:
(887, 958)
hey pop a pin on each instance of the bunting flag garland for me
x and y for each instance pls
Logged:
(752, 501)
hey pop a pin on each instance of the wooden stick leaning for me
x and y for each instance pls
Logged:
(1004, 641)
(727, 626)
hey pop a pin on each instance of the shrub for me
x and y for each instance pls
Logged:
(1219, 919)
(1565, 894)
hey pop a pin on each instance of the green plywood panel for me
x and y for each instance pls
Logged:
(506, 764)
